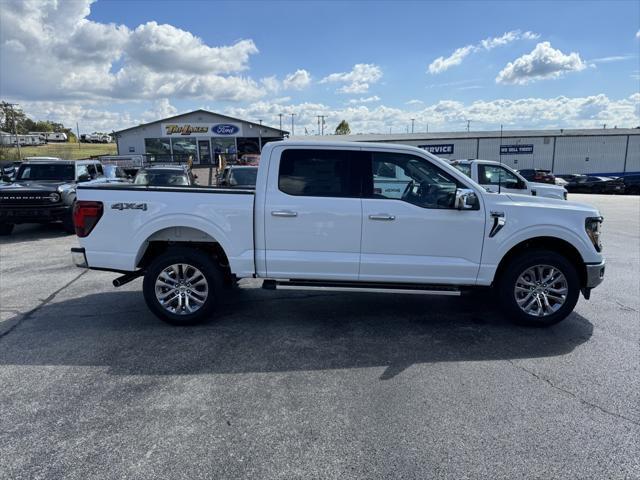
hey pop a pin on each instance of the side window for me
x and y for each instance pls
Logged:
(81, 170)
(493, 175)
(318, 173)
(417, 181)
(99, 169)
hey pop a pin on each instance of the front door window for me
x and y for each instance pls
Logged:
(205, 151)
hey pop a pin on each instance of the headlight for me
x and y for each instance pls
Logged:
(593, 227)
(54, 197)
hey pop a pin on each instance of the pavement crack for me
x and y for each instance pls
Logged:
(44, 302)
(573, 395)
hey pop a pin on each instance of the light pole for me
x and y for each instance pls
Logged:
(15, 129)
(413, 120)
(468, 124)
(293, 131)
(280, 115)
(260, 136)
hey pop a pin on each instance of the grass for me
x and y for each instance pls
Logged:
(69, 151)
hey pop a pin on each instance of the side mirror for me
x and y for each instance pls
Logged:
(466, 199)
(7, 178)
(85, 177)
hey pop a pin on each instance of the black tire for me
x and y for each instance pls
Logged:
(6, 228)
(67, 223)
(194, 258)
(518, 265)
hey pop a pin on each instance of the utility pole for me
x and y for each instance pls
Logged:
(280, 115)
(78, 132)
(260, 136)
(293, 131)
(468, 124)
(15, 129)
(413, 121)
(321, 124)
(318, 131)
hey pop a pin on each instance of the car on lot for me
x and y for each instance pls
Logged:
(8, 170)
(593, 184)
(238, 176)
(632, 184)
(113, 174)
(538, 175)
(318, 219)
(496, 177)
(44, 191)
(165, 176)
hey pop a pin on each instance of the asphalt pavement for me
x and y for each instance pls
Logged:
(313, 385)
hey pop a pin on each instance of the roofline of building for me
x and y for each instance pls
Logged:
(202, 110)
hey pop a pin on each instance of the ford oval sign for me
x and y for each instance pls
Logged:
(225, 129)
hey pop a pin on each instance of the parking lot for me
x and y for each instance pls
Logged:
(313, 385)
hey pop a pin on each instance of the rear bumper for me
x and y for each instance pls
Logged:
(595, 274)
(79, 257)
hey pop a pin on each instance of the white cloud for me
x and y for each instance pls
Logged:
(414, 101)
(612, 58)
(543, 62)
(358, 80)
(298, 80)
(51, 50)
(450, 115)
(442, 64)
(638, 34)
(373, 98)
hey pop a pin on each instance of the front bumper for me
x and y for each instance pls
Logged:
(595, 274)
(79, 257)
(34, 214)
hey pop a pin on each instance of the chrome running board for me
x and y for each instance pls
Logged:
(370, 287)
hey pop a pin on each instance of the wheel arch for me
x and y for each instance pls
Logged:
(553, 244)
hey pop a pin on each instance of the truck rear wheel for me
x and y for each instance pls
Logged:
(181, 286)
(539, 288)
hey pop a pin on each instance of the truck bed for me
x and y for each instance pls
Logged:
(135, 215)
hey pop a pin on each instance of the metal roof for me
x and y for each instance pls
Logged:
(200, 110)
(394, 137)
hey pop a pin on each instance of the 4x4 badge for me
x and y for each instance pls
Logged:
(129, 206)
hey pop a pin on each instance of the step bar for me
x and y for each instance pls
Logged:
(370, 287)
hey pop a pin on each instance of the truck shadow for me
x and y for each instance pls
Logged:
(260, 331)
(33, 231)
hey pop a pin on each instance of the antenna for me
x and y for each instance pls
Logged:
(500, 157)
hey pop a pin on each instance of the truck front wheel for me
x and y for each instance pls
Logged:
(181, 286)
(539, 288)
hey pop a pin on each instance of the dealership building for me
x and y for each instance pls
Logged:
(200, 135)
(592, 151)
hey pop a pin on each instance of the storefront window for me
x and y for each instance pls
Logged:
(183, 148)
(224, 150)
(157, 146)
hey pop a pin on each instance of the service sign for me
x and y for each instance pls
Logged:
(444, 149)
(515, 149)
(186, 129)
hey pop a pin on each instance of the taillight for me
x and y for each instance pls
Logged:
(85, 216)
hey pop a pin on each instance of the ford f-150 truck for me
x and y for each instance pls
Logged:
(318, 220)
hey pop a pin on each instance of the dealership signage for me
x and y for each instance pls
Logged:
(199, 129)
(515, 149)
(443, 149)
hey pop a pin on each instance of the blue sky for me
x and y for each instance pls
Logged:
(542, 64)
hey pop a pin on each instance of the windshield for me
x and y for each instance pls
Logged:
(162, 178)
(46, 171)
(244, 176)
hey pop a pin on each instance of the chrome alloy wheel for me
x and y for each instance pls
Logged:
(541, 290)
(181, 289)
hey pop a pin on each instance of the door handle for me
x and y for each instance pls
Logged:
(382, 216)
(283, 213)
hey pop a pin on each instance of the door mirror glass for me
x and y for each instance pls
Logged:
(466, 199)
(84, 177)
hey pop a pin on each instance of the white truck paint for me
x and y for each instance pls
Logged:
(443, 232)
(489, 174)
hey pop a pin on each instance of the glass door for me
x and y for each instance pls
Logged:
(205, 152)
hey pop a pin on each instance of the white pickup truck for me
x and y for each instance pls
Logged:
(318, 220)
(497, 177)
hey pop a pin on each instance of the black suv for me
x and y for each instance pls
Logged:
(43, 190)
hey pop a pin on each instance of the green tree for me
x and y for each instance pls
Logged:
(343, 128)
(7, 115)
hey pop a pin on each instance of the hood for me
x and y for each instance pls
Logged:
(32, 186)
(546, 186)
(551, 203)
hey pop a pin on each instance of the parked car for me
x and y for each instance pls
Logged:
(165, 176)
(497, 177)
(589, 184)
(538, 175)
(238, 176)
(8, 170)
(632, 184)
(44, 191)
(319, 220)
